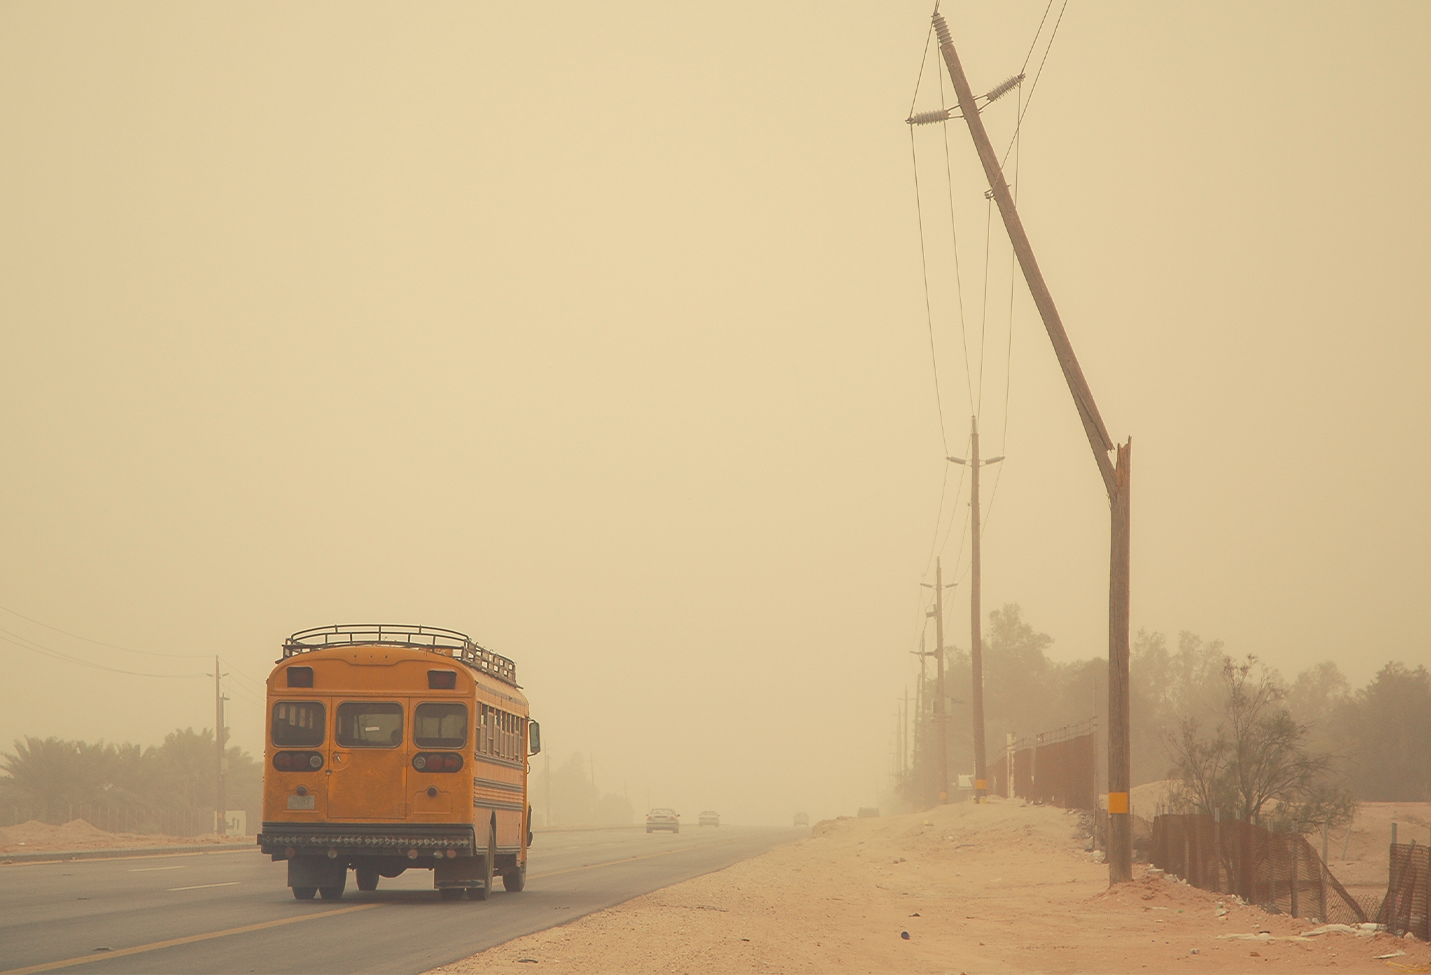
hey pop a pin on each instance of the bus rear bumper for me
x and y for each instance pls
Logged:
(415, 842)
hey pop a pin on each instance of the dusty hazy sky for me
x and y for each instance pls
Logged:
(597, 331)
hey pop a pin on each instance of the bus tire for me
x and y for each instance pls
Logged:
(450, 893)
(489, 868)
(367, 878)
(331, 893)
(304, 893)
(515, 880)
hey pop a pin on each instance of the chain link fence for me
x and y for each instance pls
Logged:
(1282, 872)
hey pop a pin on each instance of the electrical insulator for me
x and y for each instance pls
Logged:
(926, 118)
(941, 30)
(1004, 87)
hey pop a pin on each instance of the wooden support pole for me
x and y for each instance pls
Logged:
(220, 813)
(1120, 766)
(976, 629)
(939, 706)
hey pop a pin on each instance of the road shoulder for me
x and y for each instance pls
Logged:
(1001, 887)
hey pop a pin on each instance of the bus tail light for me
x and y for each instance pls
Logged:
(297, 761)
(437, 762)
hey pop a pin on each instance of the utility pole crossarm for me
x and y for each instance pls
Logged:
(1098, 437)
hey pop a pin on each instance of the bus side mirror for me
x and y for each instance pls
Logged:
(534, 732)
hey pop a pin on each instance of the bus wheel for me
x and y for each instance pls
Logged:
(515, 880)
(367, 878)
(331, 893)
(480, 893)
(304, 893)
(450, 893)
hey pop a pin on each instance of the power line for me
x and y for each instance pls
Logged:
(1033, 43)
(1037, 75)
(954, 238)
(1009, 353)
(25, 643)
(98, 643)
(928, 313)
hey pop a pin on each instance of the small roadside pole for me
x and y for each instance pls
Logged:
(1295, 838)
(1217, 851)
(1391, 925)
(1322, 901)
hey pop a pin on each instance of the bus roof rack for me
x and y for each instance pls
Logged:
(435, 639)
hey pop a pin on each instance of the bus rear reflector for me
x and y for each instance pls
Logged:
(301, 676)
(442, 680)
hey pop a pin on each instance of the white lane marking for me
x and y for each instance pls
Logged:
(231, 883)
(150, 869)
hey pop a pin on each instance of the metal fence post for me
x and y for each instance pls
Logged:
(1322, 900)
(1392, 917)
(1271, 862)
(1216, 851)
(1295, 838)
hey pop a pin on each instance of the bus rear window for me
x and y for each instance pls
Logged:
(298, 724)
(369, 724)
(440, 726)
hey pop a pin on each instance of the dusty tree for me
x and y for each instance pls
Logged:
(1256, 762)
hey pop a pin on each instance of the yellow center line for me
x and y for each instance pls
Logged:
(191, 939)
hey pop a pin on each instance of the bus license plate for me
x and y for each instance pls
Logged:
(302, 802)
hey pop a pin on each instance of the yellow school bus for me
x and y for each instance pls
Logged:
(393, 748)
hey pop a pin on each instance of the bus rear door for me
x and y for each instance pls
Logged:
(367, 779)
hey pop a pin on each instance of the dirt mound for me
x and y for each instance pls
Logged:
(31, 832)
(1145, 799)
(81, 828)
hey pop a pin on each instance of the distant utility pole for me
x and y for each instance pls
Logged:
(939, 705)
(1116, 480)
(919, 697)
(904, 762)
(220, 813)
(976, 638)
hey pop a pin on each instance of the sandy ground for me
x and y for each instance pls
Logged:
(1001, 887)
(37, 837)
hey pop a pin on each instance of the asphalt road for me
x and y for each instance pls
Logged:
(231, 911)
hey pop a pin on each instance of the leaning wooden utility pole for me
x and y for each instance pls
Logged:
(1115, 480)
